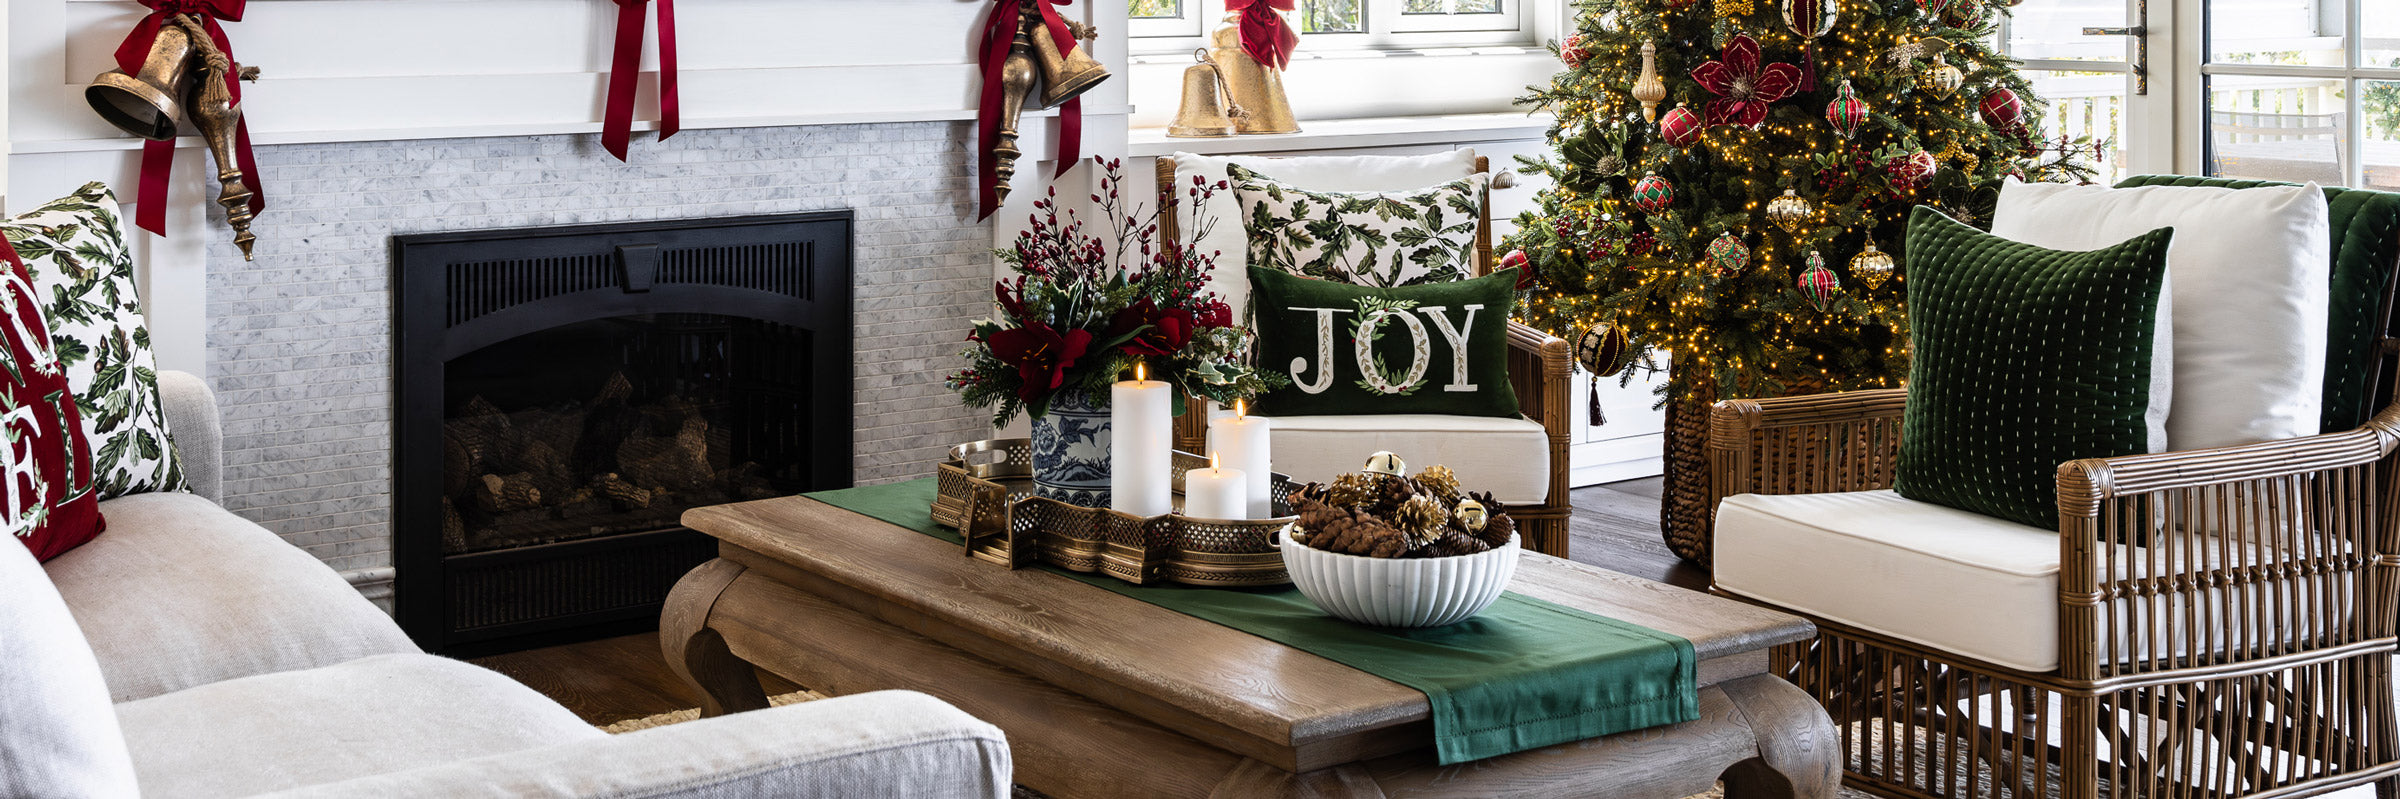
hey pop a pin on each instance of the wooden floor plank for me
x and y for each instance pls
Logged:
(1615, 527)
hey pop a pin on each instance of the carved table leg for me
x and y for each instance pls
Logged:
(1798, 754)
(698, 654)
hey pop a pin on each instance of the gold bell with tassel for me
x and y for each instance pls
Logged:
(1205, 111)
(1067, 74)
(184, 76)
(1256, 88)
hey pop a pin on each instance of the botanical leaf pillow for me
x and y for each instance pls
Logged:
(74, 248)
(1367, 238)
(1355, 350)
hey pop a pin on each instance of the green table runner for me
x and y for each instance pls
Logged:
(1524, 674)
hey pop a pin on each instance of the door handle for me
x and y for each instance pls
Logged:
(2140, 31)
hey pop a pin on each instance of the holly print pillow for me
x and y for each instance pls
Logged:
(74, 250)
(1354, 350)
(46, 497)
(1383, 239)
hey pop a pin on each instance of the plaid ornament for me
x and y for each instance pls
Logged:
(1818, 283)
(1680, 127)
(2002, 109)
(1652, 193)
(1728, 255)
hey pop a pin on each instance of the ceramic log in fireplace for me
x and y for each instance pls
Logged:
(564, 394)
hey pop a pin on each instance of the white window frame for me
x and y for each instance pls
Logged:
(2145, 122)
(2193, 64)
(1388, 28)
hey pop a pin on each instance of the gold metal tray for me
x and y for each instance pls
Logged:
(986, 494)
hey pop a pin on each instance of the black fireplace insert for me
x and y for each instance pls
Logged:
(564, 394)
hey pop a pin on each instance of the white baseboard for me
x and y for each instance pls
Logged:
(374, 584)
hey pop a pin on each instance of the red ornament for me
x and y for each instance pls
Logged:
(1573, 52)
(1743, 88)
(1518, 260)
(1680, 127)
(1911, 171)
(2002, 109)
(1653, 194)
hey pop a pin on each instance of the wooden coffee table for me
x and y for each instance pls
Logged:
(1103, 695)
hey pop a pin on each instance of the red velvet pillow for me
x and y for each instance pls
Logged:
(46, 497)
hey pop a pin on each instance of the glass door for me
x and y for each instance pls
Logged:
(2091, 60)
(2301, 90)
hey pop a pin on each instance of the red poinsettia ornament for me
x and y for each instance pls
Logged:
(1743, 87)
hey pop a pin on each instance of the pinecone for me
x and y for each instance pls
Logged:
(1391, 491)
(1456, 543)
(1440, 482)
(1423, 518)
(1353, 490)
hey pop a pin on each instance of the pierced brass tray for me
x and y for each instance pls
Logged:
(985, 492)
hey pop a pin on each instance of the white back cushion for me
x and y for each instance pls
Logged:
(1231, 281)
(2247, 275)
(58, 732)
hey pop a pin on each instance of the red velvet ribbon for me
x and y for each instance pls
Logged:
(616, 125)
(158, 157)
(1265, 36)
(999, 31)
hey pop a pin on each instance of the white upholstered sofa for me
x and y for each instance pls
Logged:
(238, 665)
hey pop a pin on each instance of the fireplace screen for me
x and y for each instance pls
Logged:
(618, 425)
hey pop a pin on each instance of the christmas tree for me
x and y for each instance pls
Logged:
(1732, 177)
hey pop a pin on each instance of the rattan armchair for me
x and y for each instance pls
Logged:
(2240, 643)
(1539, 369)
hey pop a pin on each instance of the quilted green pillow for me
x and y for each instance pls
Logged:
(2023, 358)
(74, 249)
(1435, 348)
(1370, 238)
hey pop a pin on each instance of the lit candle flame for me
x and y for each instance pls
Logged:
(1241, 408)
(1140, 372)
(1212, 462)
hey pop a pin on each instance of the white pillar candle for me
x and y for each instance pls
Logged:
(1215, 492)
(1242, 440)
(1141, 440)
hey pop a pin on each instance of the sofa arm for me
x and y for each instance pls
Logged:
(196, 431)
(885, 743)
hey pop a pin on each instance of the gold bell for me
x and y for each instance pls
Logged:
(1256, 89)
(147, 104)
(1204, 112)
(1067, 74)
(1385, 463)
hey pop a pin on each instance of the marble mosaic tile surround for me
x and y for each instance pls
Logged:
(299, 341)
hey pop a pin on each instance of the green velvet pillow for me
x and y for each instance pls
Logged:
(2023, 358)
(1433, 348)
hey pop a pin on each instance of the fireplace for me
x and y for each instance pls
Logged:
(564, 394)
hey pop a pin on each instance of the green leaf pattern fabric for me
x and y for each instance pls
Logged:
(1378, 239)
(74, 248)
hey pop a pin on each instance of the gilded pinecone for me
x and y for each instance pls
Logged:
(1353, 490)
(1423, 518)
(1439, 481)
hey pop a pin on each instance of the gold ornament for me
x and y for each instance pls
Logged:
(1899, 58)
(1385, 463)
(1648, 88)
(1735, 8)
(1353, 490)
(1471, 515)
(1440, 481)
(1789, 211)
(1941, 77)
(1255, 88)
(1872, 267)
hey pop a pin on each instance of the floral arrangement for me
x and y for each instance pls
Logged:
(1085, 308)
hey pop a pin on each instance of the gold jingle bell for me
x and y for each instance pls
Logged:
(1385, 463)
(1064, 75)
(1256, 89)
(1205, 112)
(1471, 515)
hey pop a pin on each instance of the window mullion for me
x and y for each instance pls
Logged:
(2354, 118)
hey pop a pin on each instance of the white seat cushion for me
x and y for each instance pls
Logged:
(1507, 456)
(370, 716)
(1949, 579)
(180, 592)
(57, 736)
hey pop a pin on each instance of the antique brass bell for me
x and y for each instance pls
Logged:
(150, 103)
(1256, 89)
(1064, 75)
(184, 76)
(1205, 112)
(1016, 84)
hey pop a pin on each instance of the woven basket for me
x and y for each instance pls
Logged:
(1685, 519)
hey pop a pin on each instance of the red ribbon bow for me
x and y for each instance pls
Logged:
(158, 157)
(1265, 36)
(1000, 31)
(616, 125)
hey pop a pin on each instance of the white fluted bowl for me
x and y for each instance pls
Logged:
(1399, 592)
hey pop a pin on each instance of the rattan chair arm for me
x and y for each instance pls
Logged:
(2084, 484)
(1739, 431)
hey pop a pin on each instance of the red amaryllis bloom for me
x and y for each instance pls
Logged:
(1041, 355)
(1518, 260)
(1011, 298)
(1164, 331)
(1743, 89)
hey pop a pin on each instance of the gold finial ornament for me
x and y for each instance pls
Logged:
(1941, 77)
(1789, 211)
(1016, 85)
(1648, 88)
(1872, 267)
(1256, 89)
(1205, 112)
(1385, 463)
